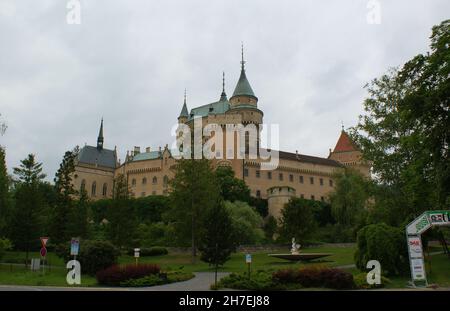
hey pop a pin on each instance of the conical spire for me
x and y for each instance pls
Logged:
(184, 110)
(100, 137)
(223, 96)
(243, 87)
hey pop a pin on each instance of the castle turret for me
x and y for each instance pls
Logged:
(243, 93)
(184, 114)
(100, 139)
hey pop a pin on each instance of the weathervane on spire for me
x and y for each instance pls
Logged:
(342, 125)
(185, 95)
(223, 81)
(242, 55)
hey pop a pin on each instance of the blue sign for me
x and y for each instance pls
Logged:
(74, 247)
(248, 258)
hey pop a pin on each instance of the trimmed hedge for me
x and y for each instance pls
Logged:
(361, 282)
(152, 251)
(115, 275)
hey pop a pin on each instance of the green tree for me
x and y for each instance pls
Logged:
(404, 131)
(4, 194)
(27, 222)
(231, 188)
(62, 211)
(78, 226)
(350, 197)
(121, 215)
(297, 220)
(194, 191)
(246, 222)
(219, 240)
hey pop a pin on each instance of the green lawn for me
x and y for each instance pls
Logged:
(56, 276)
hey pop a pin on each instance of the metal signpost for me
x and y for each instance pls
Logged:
(413, 238)
(136, 254)
(43, 252)
(248, 261)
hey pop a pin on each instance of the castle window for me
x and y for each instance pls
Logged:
(133, 182)
(258, 174)
(311, 180)
(313, 197)
(321, 181)
(300, 178)
(155, 180)
(94, 188)
(83, 185)
(280, 176)
(105, 189)
(269, 175)
(165, 181)
(144, 181)
(246, 172)
(258, 193)
(291, 178)
(331, 182)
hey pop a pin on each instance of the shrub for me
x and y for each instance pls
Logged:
(5, 245)
(285, 276)
(93, 256)
(385, 244)
(361, 282)
(154, 279)
(337, 279)
(152, 251)
(260, 280)
(115, 275)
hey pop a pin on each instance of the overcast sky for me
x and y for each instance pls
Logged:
(129, 62)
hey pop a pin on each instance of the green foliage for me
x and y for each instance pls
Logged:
(335, 233)
(270, 228)
(62, 211)
(151, 208)
(385, 244)
(118, 274)
(5, 245)
(361, 282)
(27, 221)
(404, 132)
(121, 229)
(99, 209)
(155, 234)
(231, 188)
(4, 194)
(349, 197)
(260, 280)
(194, 193)
(297, 220)
(246, 223)
(152, 251)
(78, 226)
(260, 205)
(93, 256)
(218, 242)
(153, 279)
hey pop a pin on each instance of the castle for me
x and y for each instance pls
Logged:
(149, 171)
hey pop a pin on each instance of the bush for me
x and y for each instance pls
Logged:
(385, 244)
(115, 275)
(315, 277)
(153, 279)
(361, 282)
(260, 280)
(5, 245)
(152, 251)
(94, 255)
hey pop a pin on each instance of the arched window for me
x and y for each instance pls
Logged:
(155, 180)
(83, 185)
(144, 181)
(133, 182)
(94, 188)
(105, 189)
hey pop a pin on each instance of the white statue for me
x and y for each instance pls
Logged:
(295, 248)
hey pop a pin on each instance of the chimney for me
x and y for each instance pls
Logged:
(147, 150)
(137, 150)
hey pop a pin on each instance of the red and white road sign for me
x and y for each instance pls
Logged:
(43, 252)
(44, 241)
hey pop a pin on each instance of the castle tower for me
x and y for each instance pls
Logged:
(277, 197)
(100, 138)
(347, 153)
(183, 117)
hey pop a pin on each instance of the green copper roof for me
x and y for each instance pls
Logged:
(184, 111)
(146, 156)
(243, 86)
(219, 107)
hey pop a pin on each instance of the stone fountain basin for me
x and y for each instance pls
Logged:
(301, 256)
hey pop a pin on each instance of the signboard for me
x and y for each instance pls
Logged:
(418, 269)
(419, 225)
(44, 241)
(439, 218)
(136, 252)
(415, 247)
(43, 252)
(74, 247)
(248, 258)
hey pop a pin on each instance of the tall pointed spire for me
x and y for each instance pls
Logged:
(184, 111)
(100, 138)
(243, 87)
(223, 96)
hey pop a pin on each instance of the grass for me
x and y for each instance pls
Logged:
(341, 256)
